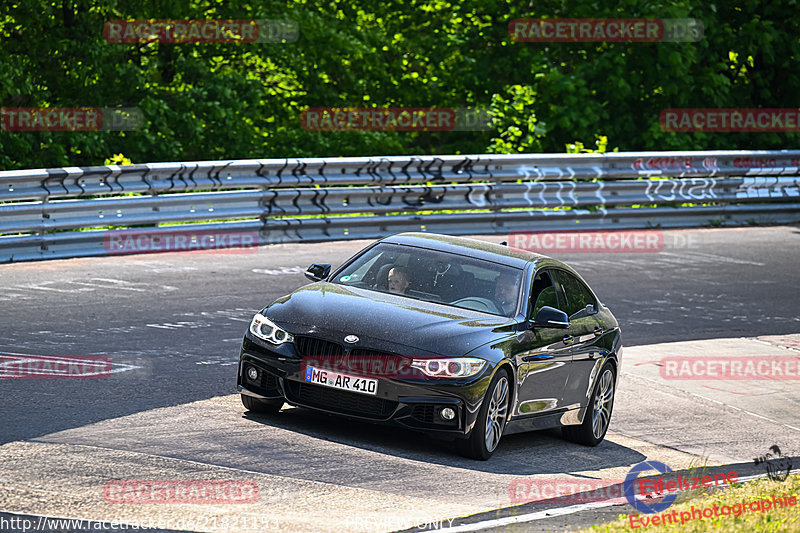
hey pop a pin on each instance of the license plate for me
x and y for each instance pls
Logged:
(341, 381)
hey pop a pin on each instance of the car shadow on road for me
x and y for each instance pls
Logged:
(538, 452)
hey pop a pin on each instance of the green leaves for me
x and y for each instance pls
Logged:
(244, 100)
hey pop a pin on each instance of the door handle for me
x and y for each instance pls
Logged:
(540, 357)
(568, 339)
(598, 331)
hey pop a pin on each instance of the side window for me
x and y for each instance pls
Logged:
(578, 296)
(543, 292)
(361, 272)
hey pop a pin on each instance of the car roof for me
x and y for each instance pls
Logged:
(488, 251)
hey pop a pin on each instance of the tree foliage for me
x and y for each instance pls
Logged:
(207, 101)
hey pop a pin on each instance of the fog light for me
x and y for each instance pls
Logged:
(448, 413)
(252, 373)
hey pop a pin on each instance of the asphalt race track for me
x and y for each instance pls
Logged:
(171, 325)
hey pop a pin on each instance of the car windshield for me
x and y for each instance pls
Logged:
(434, 276)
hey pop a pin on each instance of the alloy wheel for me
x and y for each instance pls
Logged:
(603, 402)
(496, 414)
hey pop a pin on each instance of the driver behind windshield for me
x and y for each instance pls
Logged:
(399, 280)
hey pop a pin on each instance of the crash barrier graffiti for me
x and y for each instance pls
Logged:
(72, 212)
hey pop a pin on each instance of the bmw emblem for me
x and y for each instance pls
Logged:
(352, 339)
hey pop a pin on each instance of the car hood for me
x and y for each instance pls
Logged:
(385, 322)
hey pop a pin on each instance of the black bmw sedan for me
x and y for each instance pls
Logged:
(447, 335)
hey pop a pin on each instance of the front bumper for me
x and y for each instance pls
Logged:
(412, 403)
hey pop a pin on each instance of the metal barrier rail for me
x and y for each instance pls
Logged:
(66, 212)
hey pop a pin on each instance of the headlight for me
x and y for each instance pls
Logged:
(461, 367)
(264, 329)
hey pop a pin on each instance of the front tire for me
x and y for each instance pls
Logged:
(256, 405)
(598, 413)
(492, 418)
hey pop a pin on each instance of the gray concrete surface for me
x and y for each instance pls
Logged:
(171, 323)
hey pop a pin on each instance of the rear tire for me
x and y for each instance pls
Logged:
(492, 417)
(598, 413)
(256, 405)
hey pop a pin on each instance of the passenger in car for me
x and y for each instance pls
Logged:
(399, 280)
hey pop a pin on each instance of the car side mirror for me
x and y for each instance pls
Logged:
(318, 271)
(550, 317)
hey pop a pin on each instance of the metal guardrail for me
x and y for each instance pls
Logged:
(71, 212)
